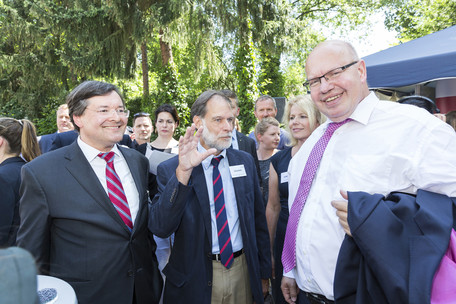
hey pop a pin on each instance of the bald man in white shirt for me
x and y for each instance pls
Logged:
(384, 147)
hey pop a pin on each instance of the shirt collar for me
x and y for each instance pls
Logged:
(207, 161)
(363, 110)
(91, 153)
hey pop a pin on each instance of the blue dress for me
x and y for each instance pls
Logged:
(10, 181)
(280, 162)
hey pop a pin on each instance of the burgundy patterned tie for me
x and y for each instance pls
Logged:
(115, 190)
(224, 238)
(289, 246)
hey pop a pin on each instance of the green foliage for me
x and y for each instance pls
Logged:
(271, 79)
(416, 18)
(293, 83)
(47, 123)
(171, 92)
(47, 47)
(31, 77)
(247, 90)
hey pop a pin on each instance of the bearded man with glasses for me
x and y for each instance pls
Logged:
(366, 145)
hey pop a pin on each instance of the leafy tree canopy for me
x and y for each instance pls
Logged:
(416, 18)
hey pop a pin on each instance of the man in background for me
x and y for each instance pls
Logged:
(265, 106)
(142, 130)
(63, 125)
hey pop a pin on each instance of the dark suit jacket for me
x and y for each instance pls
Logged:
(152, 184)
(10, 181)
(75, 233)
(67, 138)
(248, 145)
(185, 210)
(397, 246)
(45, 142)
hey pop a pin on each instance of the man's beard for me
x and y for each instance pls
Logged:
(212, 141)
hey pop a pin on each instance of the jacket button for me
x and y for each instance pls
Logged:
(130, 273)
(209, 283)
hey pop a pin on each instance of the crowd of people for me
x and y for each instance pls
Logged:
(328, 207)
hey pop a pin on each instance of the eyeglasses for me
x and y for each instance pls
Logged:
(140, 114)
(109, 112)
(329, 76)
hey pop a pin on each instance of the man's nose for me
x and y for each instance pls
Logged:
(325, 85)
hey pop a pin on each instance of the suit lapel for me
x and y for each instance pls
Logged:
(135, 172)
(199, 185)
(83, 173)
(240, 140)
(238, 183)
(434, 217)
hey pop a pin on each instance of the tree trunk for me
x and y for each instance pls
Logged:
(145, 70)
(166, 51)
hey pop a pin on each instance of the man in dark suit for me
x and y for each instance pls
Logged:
(63, 125)
(142, 129)
(191, 204)
(84, 207)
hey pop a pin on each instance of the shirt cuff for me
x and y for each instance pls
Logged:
(289, 274)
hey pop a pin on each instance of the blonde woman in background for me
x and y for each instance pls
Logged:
(301, 118)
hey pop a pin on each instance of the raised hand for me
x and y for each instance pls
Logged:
(189, 157)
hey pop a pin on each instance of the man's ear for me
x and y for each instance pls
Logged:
(78, 121)
(197, 121)
(362, 70)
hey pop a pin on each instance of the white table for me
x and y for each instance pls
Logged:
(65, 293)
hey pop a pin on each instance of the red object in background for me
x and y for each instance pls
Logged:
(445, 95)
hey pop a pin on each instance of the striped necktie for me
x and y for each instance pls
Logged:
(115, 190)
(289, 246)
(224, 238)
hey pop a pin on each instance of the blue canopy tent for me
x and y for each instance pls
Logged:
(417, 61)
(424, 66)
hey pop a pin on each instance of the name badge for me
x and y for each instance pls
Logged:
(284, 177)
(237, 171)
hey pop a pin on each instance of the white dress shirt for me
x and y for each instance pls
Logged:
(99, 167)
(387, 147)
(230, 201)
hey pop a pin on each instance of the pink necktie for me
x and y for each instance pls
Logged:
(115, 190)
(289, 246)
